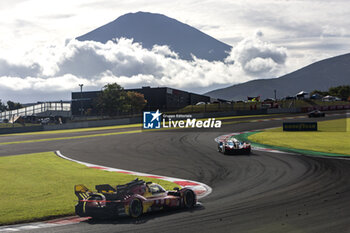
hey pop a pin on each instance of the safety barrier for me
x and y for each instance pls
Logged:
(326, 108)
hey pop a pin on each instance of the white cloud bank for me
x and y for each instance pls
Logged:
(258, 58)
(54, 72)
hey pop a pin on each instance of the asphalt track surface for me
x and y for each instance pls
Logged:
(263, 192)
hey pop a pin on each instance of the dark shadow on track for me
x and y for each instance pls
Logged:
(144, 218)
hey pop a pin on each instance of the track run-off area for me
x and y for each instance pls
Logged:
(262, 192)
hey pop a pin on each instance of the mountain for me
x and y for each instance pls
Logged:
(151, 29)
(321, 75)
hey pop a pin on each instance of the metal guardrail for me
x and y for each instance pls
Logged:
(37, 109)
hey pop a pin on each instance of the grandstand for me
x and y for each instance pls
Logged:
(41, 110)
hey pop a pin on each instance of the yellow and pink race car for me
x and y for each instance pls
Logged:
(131, 199)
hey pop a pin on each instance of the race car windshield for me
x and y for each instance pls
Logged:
(156, 188)
(230, 143)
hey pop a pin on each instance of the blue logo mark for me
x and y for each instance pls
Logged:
(151, 120)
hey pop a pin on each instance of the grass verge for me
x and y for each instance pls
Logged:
(70, 137)
(16, 125)
(78, 130)
(333, 137)
(40, 186)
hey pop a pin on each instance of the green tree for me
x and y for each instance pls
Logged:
(342, 92)
(13, 105)
(334, 90)
(136, 101)
(112, 100)
(322, 93)
(3, 106)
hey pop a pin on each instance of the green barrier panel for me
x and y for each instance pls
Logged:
(300, 126)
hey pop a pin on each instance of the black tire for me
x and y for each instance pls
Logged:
(90, 210)
(224, 150)
(189, 199)
(135, 208)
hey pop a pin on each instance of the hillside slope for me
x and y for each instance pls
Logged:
(321, 75)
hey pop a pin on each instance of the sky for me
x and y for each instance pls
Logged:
(41, 61)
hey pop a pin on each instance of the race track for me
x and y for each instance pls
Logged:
(263, 192)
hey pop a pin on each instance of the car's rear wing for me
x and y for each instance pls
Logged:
(105, 188)
(82, 192)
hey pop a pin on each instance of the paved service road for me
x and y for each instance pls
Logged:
(263, 192)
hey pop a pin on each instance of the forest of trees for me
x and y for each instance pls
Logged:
(10, 105)
(342, 92)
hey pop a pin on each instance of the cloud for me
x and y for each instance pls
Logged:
(44, 84)
(164, 50)
(259, 65)
(58, 16)
(59, 69)
(18, 70)
(332, 31)
(258, 57)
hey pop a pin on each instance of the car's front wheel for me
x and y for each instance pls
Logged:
(189, 198)
(224, 150)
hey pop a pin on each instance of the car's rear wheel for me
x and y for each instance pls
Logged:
(135, 208)
(189, 199)
(92, 205)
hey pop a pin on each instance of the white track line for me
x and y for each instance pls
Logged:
(200, 189)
